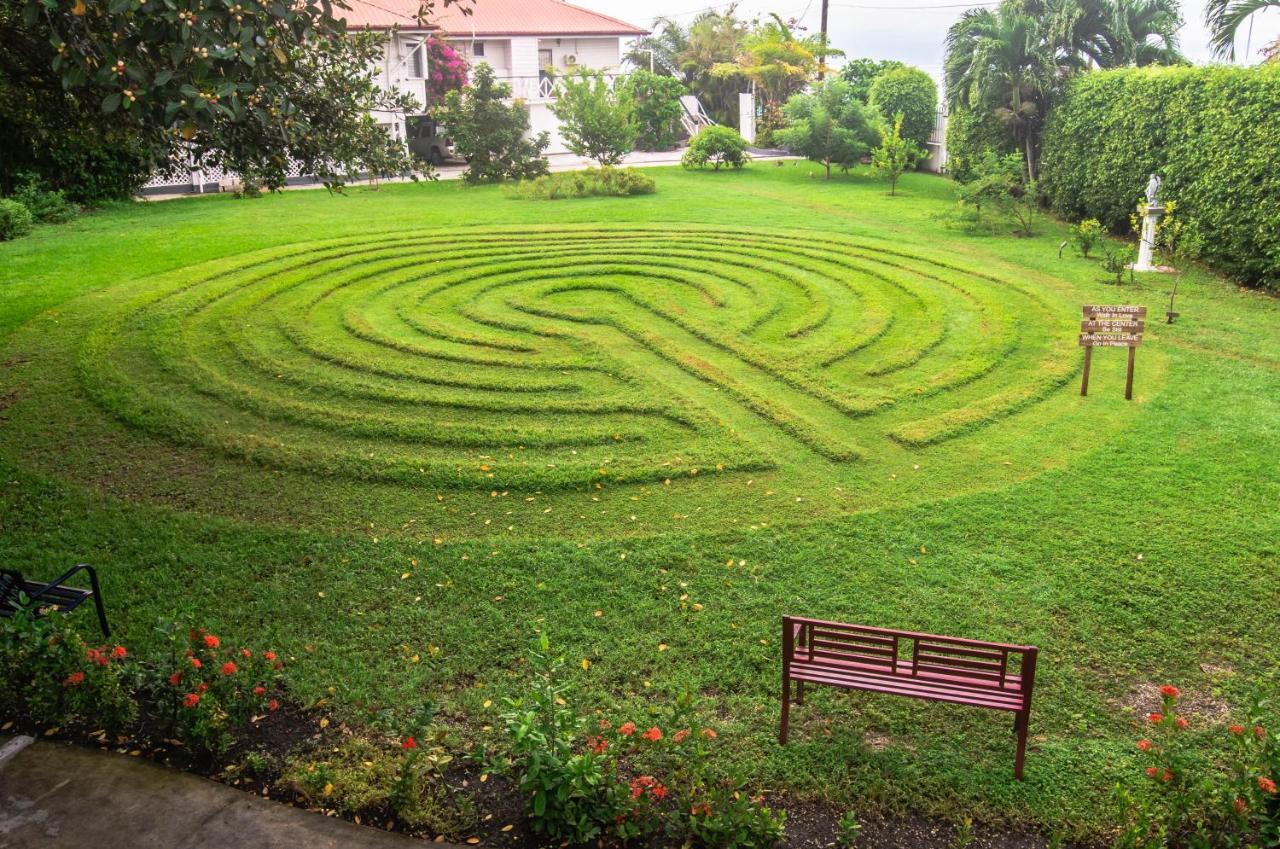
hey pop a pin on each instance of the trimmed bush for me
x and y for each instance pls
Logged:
(716, 146)
(913, 93)
(591, 182)
(46, 206)
(1213, 134)
(15, 219)
(970, 134)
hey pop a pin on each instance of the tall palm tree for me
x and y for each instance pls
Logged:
(1003, 60)
(1115, 33)
(1224, 17)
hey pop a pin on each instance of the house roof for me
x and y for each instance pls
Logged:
(489, 18)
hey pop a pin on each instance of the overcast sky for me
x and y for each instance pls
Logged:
(908, 30)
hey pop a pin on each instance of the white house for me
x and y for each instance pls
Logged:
(526, 42)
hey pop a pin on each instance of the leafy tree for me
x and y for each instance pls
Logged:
(252, 86)
(716, 146)
(490, 132)
(1001, 61)
(780, 63)
(657, 108)
(911, 93)
(896, 155)
(689, 54)
(860, 73)
(596, 120)
(828, 125)
(1224, 18)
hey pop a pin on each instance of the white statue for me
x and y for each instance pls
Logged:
(1153, 190)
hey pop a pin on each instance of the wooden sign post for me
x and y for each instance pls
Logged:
(1111, 327)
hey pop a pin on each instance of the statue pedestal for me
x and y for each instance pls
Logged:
(1146, 247)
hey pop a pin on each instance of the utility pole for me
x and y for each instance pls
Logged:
(824, 34)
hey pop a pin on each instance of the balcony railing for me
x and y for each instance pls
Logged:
(544, 86)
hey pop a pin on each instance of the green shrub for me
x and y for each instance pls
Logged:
(657, 109)
(590, 182)
(970, 133)
(716, 146)
(1213, 134)
(52, 676)
(895, 155)
(15, 219)
(1177, 798)
(1087, 234)
(911, 92)
(46, 206)
(214, 690)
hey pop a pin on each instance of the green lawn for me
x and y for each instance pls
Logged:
(397, 432)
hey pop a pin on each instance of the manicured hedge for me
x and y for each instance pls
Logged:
(1213, 134)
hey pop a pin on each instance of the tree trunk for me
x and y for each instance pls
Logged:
(828, 164)
(1031, 160)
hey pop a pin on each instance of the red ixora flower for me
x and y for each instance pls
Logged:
(681, 735)
(270, 655)
(1152, 771)
(73, 679)
(1182, 722)
(273, 705)
(1167, 777)
(1156, 718)
(1144, 745)
(175, 679)
(195, 663)
(658, 792)
(627, 729)
(118, 651)
(1241, 806)
(654, 734)
(1236, 729)
(1266, 785)
(597, 745)
(709, 733)
(202, 687)
(1170, 691)
(259, 691)
(1259, 732)
(245, 653)
(191, 700)
(211, 641)
(228, 668)
(409, 743)
(643, 783)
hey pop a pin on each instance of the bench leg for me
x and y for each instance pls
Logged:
(786, 708)
(1020, 724)
(799, 692)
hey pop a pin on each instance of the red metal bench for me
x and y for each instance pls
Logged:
(905, 663)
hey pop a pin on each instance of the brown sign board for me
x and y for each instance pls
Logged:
(1121, 326)
(1111, 326)
(1121, 311)
(1110, 340)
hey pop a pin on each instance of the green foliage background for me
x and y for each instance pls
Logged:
(1213, 134)
(969, 133)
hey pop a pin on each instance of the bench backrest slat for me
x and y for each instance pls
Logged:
(849, 645)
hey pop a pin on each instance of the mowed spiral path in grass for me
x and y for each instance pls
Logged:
(574, 358)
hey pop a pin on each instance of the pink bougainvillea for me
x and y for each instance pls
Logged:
(446, 69)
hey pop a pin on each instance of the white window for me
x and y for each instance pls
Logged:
(416, 69)
(477, 49)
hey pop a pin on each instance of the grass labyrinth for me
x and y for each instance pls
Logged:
(564, 359)
(395, 433)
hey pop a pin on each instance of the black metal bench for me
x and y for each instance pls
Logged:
(55, 594)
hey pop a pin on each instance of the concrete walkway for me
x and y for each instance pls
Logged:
(59, 796)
